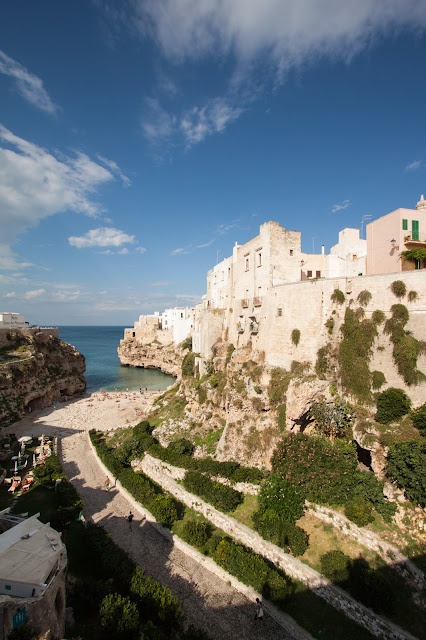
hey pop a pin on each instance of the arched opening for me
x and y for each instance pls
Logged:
(363, 455)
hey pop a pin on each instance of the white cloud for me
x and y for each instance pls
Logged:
(11, 294)
(413, 165)
(221, 229)
(283, 32)
(35, 293)
(115, 169)
(340, 207)
(161, 283)
(34, 184)
(157, 124)
(178, 252)
(206, 244)
(198, 123)
(29, 85)
(123, 252)
(140, 249)
(102, 237)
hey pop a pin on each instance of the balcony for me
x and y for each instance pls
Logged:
(411, 242)
(244, 303)
(257, 302)
(254, 327)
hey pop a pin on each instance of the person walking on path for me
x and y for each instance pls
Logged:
(107, 483)
(130, 519)
(258, 616)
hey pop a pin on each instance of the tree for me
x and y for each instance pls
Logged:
(391, 405)
(119, 614)
(406, 465)
(418, 417)
(332, 418)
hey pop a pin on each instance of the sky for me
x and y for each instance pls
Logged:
(140, 139)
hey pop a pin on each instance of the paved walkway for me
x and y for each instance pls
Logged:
(209, 602)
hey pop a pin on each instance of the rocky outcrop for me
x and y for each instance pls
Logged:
(168, 358)
(37, 369)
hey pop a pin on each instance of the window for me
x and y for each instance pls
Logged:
(181, 315)
(415, 229)
(259, 259)
(354, 256)
(247, 264)
(279, 312)
(318, 274)
(309, 274)
(291, 252)
(405, 225)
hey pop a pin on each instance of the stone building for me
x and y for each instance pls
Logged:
(173, 326)
(398, 231)
(33, 563)
(12, 320)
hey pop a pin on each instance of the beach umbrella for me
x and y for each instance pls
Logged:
(25, 439)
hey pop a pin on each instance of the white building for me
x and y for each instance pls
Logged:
(180, 321)
(10, 320)
(31, 554)
(348, 258)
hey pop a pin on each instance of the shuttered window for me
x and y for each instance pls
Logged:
(405, 225)
(415, 230)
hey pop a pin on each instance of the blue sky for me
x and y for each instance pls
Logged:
(139, 140)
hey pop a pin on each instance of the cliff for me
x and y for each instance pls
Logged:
(36, 369)
(168, 358)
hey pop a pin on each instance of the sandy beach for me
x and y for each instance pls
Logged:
(103, 411)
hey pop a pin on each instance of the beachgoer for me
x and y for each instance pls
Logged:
(258, 616)
(129, 520)
(107, 483)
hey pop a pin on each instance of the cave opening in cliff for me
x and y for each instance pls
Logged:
(363, 455)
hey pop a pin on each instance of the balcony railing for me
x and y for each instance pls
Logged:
(244, 303)
(421, 238)
(257, 302)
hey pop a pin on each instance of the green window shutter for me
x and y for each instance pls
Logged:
(405, 225)
(415, 229)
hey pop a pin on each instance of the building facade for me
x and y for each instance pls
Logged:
(11, 320)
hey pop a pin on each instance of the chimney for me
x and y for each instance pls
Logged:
(322, 249)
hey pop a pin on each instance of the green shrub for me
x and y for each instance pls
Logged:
(187, 343)
(330, 325)
(219, 495)
(252, 569)
(230, 350)
(181, 447)
(282, 417)
(131, 449)
(359, 511)
(157, 599)
(202, 395)
(412, 296)
(278, 385)
(398, 288)
(165, 509)
(285, 534)
(418, 417)
(377, 380)
(406, 465)
(119, 614)
(332, 418)
(196, 533)
(391, 405)
(240, 386)
(364, 297)
(371, 587)
(281, 496)
(322, 365)
(257, 388)
(295, 336)
(354, 355)
(188, 365)
(335, 566)
(338, 296)
(299, 369)
(378, 317)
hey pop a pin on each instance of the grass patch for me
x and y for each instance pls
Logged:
(209, 441)
(244, 512)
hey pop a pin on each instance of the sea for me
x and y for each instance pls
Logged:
(103, 369)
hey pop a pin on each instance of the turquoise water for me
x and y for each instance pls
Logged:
(103, 369)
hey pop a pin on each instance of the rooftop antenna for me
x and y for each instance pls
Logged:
(365, 217)
(253, 215)
(313, 243)
(217, 256)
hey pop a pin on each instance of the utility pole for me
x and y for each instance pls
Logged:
(365, 217)
(253, 215)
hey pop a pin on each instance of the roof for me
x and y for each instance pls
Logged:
(29, 551)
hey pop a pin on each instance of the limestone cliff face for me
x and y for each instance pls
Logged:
(37, 369)
(168, 358)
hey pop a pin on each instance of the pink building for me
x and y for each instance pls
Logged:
(390, 235)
